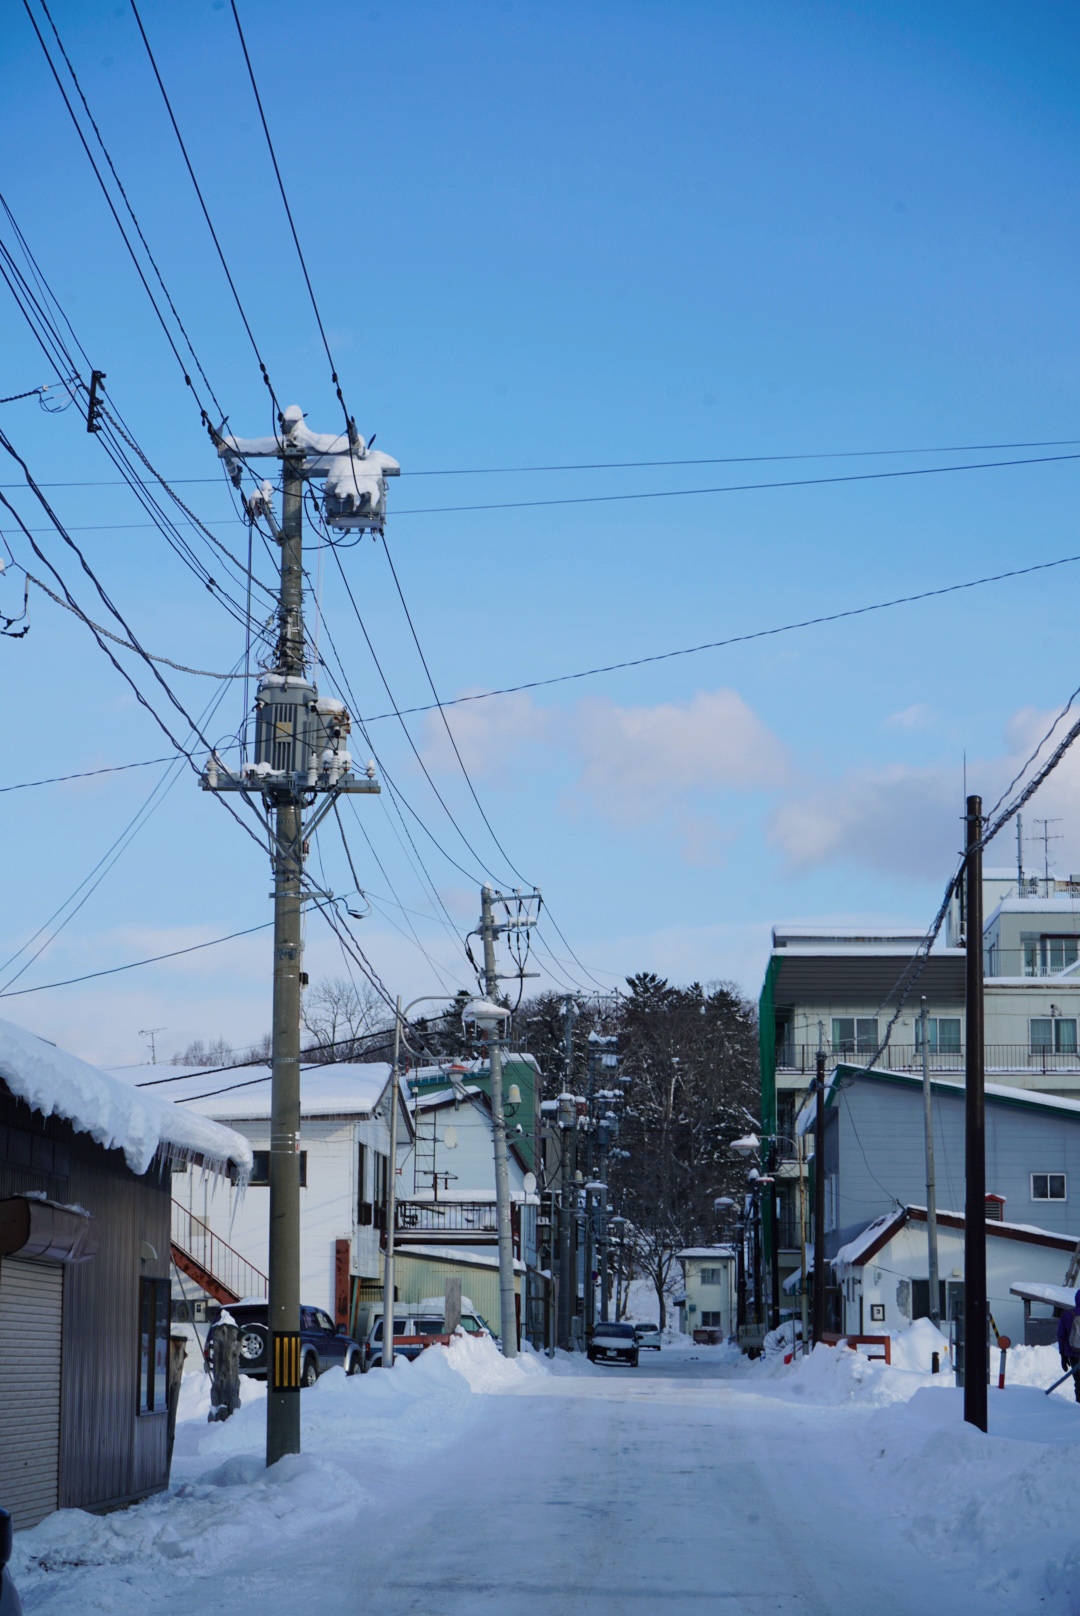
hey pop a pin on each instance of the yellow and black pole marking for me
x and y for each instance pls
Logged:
(286, 1361)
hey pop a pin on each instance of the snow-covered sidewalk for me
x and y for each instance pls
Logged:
(464, 1484)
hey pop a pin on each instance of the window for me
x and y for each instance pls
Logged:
(854, 1035)
(260, 1168)
(155, 1310)
(1048, 1187)
(1045, 955)
(712, 1276)
(362, 1203)
(1053, 1035)
(943, 1034)
(380, 1188)
(713, 1320)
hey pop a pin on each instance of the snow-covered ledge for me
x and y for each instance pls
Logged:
(118, 1116)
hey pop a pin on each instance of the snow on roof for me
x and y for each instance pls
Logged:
(881, 1230)
(453, 1255)
(707, 1251)
(939, 1081)
(855, 1249)
(346, 1088)
(1056, 1295)
(111, 1110)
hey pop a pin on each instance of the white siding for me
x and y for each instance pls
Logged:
(31, 1307)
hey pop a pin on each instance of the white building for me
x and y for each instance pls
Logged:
(344, 1166)
(709, 1284)
(882, 1272)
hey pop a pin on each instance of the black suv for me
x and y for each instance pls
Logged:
(322, 1347)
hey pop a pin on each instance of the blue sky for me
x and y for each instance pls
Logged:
(543, 235)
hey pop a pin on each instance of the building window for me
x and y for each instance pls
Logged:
(155, 1310)
(362, 1201)
(380, 1188)
(1043, 956)
(1053, 1035)
(854, 1035)
(712, 1276)
(942, 1034)
(260, 1168)
(1048, 1187)
(713, 1321)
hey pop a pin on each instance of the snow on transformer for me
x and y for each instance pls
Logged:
(353, 474)
(299, 735)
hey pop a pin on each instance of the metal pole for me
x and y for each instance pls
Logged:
(800, 1155)
(774, 1244)
(507, 1311)
(283, 1401)
(819, 1199)
(934, 1308)
(391, 1206)
(976, 1318)
(568, 1197)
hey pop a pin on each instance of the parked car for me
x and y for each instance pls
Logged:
(648, 1335)
(322, 1346)
(415, 1331)
(10, 1604)
(614, 1343)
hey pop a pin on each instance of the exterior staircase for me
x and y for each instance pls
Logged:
(214, 1265)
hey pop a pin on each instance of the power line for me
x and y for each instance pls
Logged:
(641, 465)
(733, 639)
(87, 774)
(736, 488)
(152, 959)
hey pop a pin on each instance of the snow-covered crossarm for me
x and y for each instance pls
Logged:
(113, 1113)
(353, 475)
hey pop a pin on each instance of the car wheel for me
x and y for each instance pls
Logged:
(251, 1344)
(634, 1361)
(310, 1372)
(352, 1364)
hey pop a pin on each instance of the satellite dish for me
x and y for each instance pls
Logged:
(530, 1183)
(449, 1138)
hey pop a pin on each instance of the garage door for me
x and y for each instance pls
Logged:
(31, 1304)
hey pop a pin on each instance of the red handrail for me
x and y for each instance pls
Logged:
(221, 1270)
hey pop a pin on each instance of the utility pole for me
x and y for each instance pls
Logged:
(819, 1199)
(976, 1307)
(774, 1240)
(389, 1297)
(489, 930)
(934, 1308)
(300, 753)
(568, 1125)
(804, 1300)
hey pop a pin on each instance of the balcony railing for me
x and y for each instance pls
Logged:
(1000, 1059)
(446, 1217)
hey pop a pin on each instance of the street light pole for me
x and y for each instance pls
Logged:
(819, 1199)
(389, 1293)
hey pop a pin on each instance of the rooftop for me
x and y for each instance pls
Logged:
(345, 1089)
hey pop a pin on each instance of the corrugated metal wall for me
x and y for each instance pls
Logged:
(108, 1452)
(31, 1309)
(420, 1277)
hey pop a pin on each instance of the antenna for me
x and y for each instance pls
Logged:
(150, 1032)
(1046, 838)
(1019, 855)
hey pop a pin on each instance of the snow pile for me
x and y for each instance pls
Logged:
(118, 1116)
(834, 1375)
(223, 1502)
(1002, 1505)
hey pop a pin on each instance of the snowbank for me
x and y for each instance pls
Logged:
(118, 1116)
(834, 1375)
(223, 1502)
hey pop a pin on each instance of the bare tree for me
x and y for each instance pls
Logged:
(218, 1052)
(337, 1016)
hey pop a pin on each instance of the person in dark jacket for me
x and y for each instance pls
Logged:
(1068, 1340)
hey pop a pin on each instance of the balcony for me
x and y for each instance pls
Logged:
(1001, 1059)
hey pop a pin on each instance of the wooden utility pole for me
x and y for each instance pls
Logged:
(819, 1199)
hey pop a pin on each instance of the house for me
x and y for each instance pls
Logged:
(875, 1153)
(709, 1286)
(222, 1238)
(446, 1222)
(86, 1164)
(837, 988)
(882, 1273)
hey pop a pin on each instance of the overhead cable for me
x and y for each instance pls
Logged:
(132, 965)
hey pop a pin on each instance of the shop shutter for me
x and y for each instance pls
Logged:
(31, 1306)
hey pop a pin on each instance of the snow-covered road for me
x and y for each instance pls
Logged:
(463, 1485)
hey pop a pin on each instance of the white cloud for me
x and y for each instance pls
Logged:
(638, 760)
(898, 820)
(918, 716)
(489, 734)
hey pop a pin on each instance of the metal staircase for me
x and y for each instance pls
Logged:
(214, 1265)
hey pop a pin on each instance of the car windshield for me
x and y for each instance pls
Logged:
(626, 1330)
